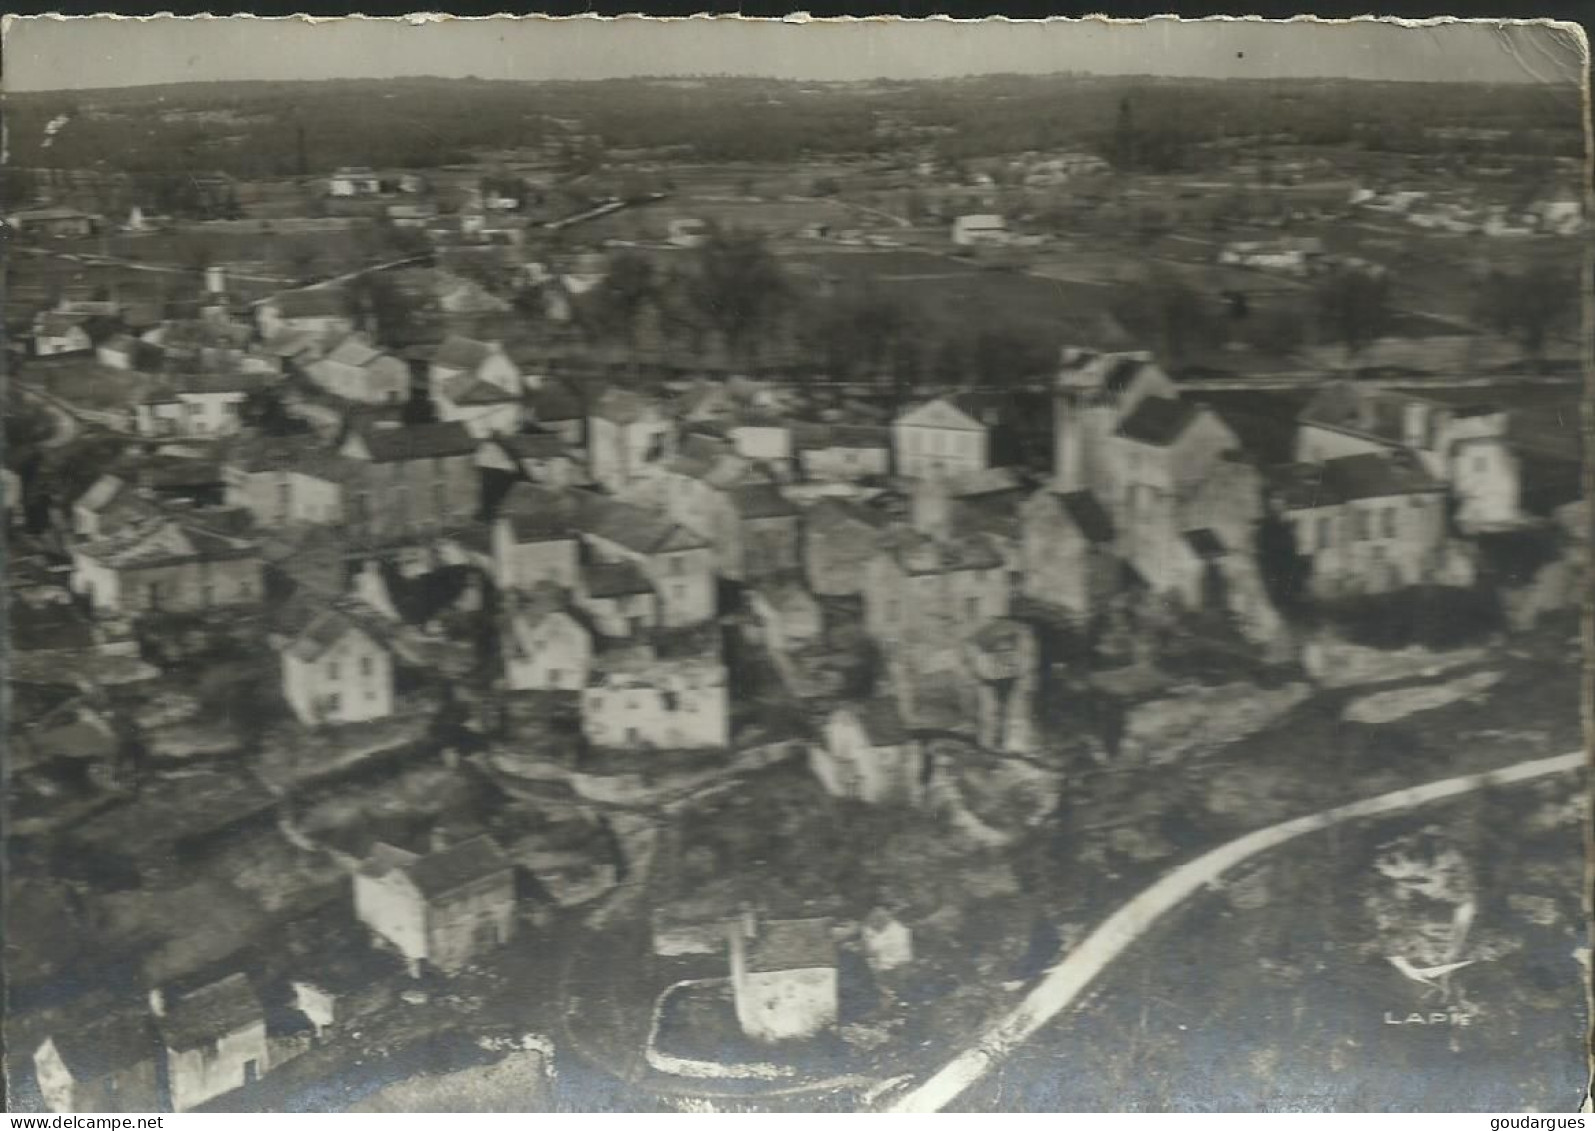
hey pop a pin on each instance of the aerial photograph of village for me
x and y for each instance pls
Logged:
(750, 567)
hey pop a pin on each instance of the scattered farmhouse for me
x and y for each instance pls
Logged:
(783, 977)
(640, 704)
(215, 1040)
(165, 565)
(442, 910)
(869, 755)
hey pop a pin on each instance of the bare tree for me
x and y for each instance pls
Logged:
(1530, 306)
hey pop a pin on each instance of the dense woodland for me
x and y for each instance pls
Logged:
(267, 129)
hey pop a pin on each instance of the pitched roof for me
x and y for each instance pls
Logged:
(622, 406)
(101, 492)
(211, 1012)
(1089, 515)
(1370, 475)
(418, 441)
(789, 944)
(615, 579)
(943, 412)
(534, 445)
(106, 1044)
(1205, 543)
(831, 512)
(163, 541)
(458, 352)
(273, 453)
(439, 873)
(636, 528)
(354, 350)
(762, 500)
(1159, 421)
(468, 389)
(880, 720)
(310, 302)
(553, 401)
(328, 628)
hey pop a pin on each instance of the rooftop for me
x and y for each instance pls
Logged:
(1371, 475)
(210, 1013)
(788, 944)
(1159, 421)
(633, 527)
(615, 579)
(439, 873)
(417, 441)
(762, 500)
(105, 1044)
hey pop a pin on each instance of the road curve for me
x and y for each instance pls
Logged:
(1064, 983)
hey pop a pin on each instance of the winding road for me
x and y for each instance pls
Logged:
(1064, 983)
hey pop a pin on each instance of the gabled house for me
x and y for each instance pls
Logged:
(839, 539)
(322, 311)
(409, 480)
(535, 541)
(459, 356)
(107, 1064)
(633, 703)
(162, 564)
(56, 334)
(629, 438)
(285, 480)
(947, 436)
(445, 909)
(1365, 523)
(215, 1040)
(678, 563)
(110, 504)
(120, 351)
(787, 613)
(544, 647)
(355, 370)
(1066, 554)
(338, 668)
(482, 406)
(842, 452)
(783, 977)
(869, 755)
(619, 599)
(921, 588)
(538, 457)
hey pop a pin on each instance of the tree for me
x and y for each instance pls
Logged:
(419, 409)
(1353, 309)
(629, 286)
(738, 287)
(1530, 306)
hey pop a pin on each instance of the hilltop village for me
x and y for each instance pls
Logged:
(393, 680)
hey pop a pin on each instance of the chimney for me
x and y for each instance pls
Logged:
(157, 1003)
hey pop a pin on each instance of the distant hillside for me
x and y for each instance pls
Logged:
(254, 129)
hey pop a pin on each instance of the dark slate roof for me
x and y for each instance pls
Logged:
(537, 514)
(831, 512)
(418, 441)
(105, 1045)
(636, 528)
(917, 554)
(789, 944)
(210, 1013)
(1159, 420)
(762, 500)
(440, 873)
(1371, 475)
(272, 453)
(621, 406)
(534, 445)
(1089, 515)
(553, 401)
(1205, 542)
(880, 720)
(615, 579)
(467, 389)
(327, 628)
(457, 352)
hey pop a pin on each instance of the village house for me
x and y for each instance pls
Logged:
(619, 599)
(921, 588)
(1066, 556)
(110, 504)
(284, 480)
(196, 405)
(888, 944)
(55, 223)
(1161, 454)
(538, 457)
(839, 539)
(753, 527)
(787, 613)
(354, 181)
(638, 703)
(979, 228)
(628, 438)
(164, 565)
(56, 334)
(215, 1040)
(842, 452)
(945, 436)
(444, 909)
(765, 440)
(321, 311)
(483, 407)
(534, 540)
(338, 668)
(678, 563)
(783, 977)
(119, 351)
(1466, 446)
(355, 370)
(1001, 659)
(479, 361)
(407, 480)
(544, 647)
(289, 351)
(1365, 523)
(1094, 393)
(108, 1064)
(868, 755)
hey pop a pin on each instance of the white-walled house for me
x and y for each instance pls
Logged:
(445, 908)
(783, 977)
(322, 311)
(534, 540)
(198, 406)
(629, 438)
(945, 436)
(215, 1040)
(483, 407)
(338, 669)
(162, 565)
(868, 755)
(678, 564)
(108, 1065)
(657, 705)
(459, 356)
(544, 647)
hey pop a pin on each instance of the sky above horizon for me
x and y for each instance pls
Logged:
(43, 53)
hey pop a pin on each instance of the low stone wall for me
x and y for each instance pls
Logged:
(1388, 706)
(701, 1069)
(1195, 719)
(1331, 662)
